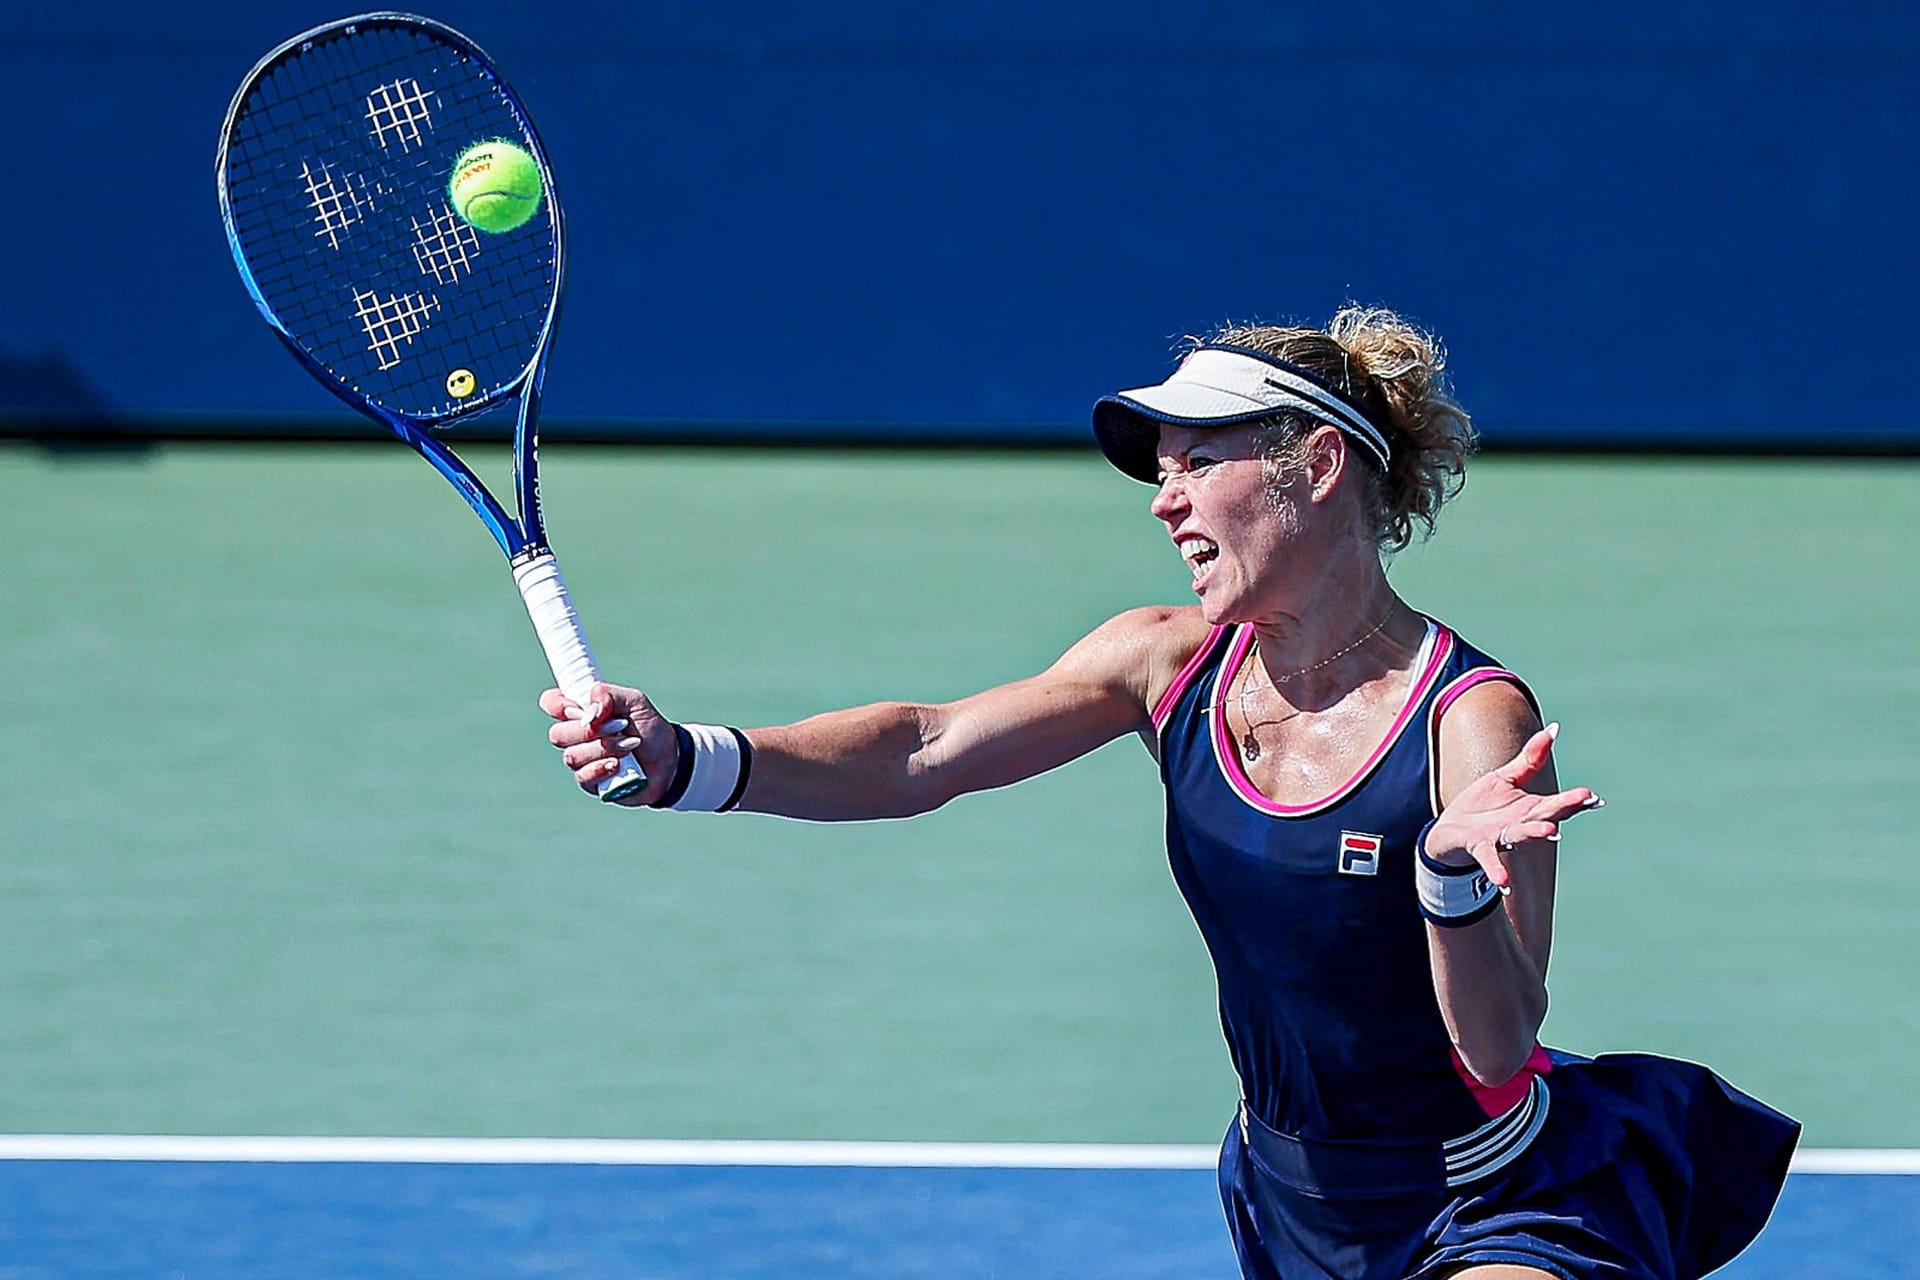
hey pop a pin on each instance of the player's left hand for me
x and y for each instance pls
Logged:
(1496, 816)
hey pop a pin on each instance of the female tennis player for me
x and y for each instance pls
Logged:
(1363, 817)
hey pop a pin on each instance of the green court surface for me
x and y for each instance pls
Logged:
(284, 850)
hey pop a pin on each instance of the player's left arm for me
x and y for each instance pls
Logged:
(1501, 810)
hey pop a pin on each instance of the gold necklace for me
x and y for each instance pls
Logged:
(1249, 744)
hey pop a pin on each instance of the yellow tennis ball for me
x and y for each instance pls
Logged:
(495, 186)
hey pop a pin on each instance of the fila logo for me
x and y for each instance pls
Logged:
(1359, 854)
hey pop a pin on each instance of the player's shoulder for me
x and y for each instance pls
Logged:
(1497, 705)
(1154, 643)
(1485, 713)
(1478, 691)
(1141, 641)
(1165, 630)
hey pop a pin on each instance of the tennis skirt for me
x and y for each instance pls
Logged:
(1645, 1167)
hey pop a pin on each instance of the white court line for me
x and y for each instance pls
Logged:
(646, 1151)
(604, 1151)
(1857, 1160)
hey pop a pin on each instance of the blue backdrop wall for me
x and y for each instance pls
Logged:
(1628, 220)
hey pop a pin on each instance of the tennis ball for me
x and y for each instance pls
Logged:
(495, 186)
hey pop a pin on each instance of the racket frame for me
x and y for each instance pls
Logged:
(523, 539)
(516, 537)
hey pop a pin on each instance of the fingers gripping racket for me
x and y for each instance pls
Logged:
(334, 169)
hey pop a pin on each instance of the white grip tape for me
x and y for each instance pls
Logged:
(545, 593)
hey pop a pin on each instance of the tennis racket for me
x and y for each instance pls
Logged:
(333, 172)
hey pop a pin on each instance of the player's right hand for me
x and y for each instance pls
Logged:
(616, 721)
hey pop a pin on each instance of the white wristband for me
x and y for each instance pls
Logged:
(713, 769)
(1451, 897)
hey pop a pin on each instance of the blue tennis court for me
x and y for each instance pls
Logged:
(385, 1220)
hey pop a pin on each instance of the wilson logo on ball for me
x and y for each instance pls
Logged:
(495, 187)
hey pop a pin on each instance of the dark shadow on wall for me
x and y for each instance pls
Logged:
(48, 385)
(46, 397)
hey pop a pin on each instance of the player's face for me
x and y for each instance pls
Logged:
(1236, 537)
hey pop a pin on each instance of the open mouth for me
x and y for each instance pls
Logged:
(1199, 553)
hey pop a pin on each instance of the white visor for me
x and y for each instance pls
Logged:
(1220, 387)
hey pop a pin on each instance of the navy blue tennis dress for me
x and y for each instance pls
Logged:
(1363, 1149)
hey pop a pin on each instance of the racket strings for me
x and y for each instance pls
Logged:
(337, 170)
(444, 247)
(337, 203)
(391, 322)
(397, 112)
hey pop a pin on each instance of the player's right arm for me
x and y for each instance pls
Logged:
(896, 759)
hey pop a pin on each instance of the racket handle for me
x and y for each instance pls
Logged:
(558, 626)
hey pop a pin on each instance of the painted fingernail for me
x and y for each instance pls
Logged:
(1553, 730)
(1554, 838)
(1506, 891)
(1596, 803)
(626, 746)
(616, 725)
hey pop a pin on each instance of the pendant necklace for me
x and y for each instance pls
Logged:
(1250, 745)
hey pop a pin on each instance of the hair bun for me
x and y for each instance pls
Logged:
(1396, 372)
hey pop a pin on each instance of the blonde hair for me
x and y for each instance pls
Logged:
(1396, 373)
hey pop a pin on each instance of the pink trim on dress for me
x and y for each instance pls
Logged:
(1163, 709)
(1496, 1100)
(1446, 698)
(1229, 759)
(1479, 675)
